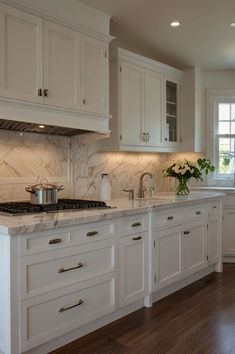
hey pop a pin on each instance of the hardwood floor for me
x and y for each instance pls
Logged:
(197, 319)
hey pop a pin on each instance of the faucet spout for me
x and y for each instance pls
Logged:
(142, 189)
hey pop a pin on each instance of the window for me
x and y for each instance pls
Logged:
(221, 134)
(225, 138)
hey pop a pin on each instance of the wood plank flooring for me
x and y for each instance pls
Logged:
(197, 319)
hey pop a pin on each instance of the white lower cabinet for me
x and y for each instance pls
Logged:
(61, 280)
(228, 233)
(186, 246)
(195, 246)
(168, 247)
(133, 268)
(214, 240)
(53, 314)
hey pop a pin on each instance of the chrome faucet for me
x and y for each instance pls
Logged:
(142, 189)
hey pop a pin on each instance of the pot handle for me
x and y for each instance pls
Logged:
(60, 188)
(28, 189)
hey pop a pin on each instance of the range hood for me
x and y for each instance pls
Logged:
(40, 128)
(34, 118)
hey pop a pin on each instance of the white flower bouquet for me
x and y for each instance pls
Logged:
(184, 170)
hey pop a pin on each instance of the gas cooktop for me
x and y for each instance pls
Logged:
(19, 208)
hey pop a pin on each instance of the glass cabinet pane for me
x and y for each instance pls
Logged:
(171, 111)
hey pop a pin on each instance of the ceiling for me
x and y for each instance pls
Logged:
(205, 38)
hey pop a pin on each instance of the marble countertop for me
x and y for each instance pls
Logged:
(18, 225)
(215, 188)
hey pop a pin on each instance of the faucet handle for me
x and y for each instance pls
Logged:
(131, 193)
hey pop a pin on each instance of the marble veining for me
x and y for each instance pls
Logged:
(18, 225)
(75, 162)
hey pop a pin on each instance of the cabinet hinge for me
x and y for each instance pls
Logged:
(105, 54)
(120, 136)
(120, 69)
(154, 244)
(155, 279)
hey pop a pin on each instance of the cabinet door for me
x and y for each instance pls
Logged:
(168, 256)
(94, 75)
(153, 108)
(228, 243)
(213, 238)
(171, 126)
(133, 268)
(131, 104)
(62, 66)
(21, 72)
(195, 246)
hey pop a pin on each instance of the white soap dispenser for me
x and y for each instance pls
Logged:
(105, 187)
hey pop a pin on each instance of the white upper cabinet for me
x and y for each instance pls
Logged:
(21, 38)
(131, 104)
(192, 118)
(94, 75)
(61, 66)
(153, 108)
(138, 104)
(56, 62)
(172, 121)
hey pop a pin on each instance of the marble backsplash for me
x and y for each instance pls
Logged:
(27, 157)
(124, 169)
(74, 162)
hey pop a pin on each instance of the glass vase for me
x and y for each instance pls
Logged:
(182, 188)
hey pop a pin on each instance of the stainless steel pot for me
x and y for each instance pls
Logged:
(44, 193)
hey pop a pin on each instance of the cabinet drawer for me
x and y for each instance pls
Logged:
(46, 317)
(42, 242)
(132, 224)
(197, 212)
(42, 273)
(49, 240)
(92, 232)
(167, 218)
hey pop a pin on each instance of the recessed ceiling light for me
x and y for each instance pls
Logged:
(41, 126)
(232, 24)
(175, 23)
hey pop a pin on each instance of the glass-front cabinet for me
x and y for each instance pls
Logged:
(171, 118)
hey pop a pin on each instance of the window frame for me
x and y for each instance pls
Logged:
(214, 97)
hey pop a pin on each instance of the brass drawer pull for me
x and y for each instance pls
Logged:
(198, 212)
(186, 232)
(62, 309)
(136, 224)
(92, 233)
(63, 270)
(170, 218)
(137, 238)
(54, 241)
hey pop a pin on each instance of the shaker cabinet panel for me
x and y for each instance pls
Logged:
(153, 107)
(94, 75)
(133, 268)
(61, 66)
(213, 235)
(168, 256)
(131, 104)
(195, 247)
(21, 38)
(228, 233)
